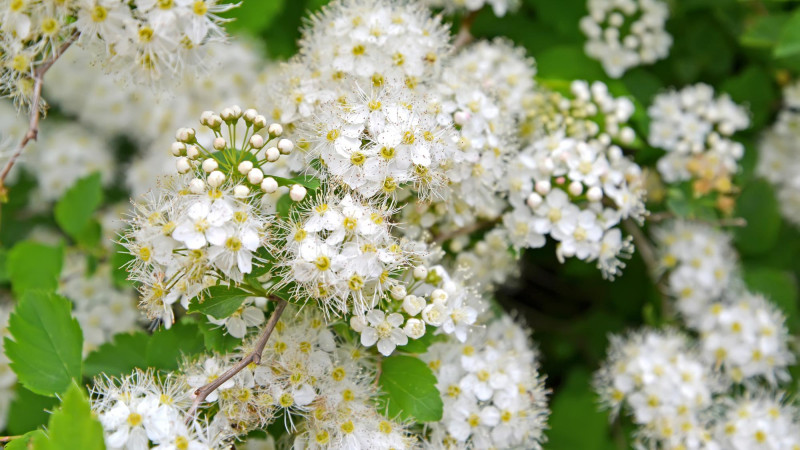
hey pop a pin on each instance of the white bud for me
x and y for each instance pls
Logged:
(216, 178)
(439, 296)
(275, 129)
(183, 165)
(358, 324)
(259, 122)
(594, 194)
(219, 143)
(273, 154)
(210, 165)
(255, 176)
(269, 185)
(185, 134)
(241, 191)
(192, 151)
(627, 135)
(420, 272)
(205, 116)
(413, 305)
(575, 188)
(414, 328)
(461, 117)
(397, 292)
(542, 187)
(214, 122)
(534, 200)
(297, 193)
(285, 146)
(257, 141)
(178, 148)
(197, 186)
(226, 114)
(434, 314)
(237, 111)
(245, 167)
(250, 115)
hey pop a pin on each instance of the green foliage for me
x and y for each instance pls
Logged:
(758, 206)
(780, 287)
(28, 411)
(166, 348)
(253, 16)
(27, 441)
(789, 38)
(74, 210)
(409, 387)
(45, 343)
(421, 345)
(576, 405)
(219, 301)
(31, 265)
(73, 425)
(126, 352)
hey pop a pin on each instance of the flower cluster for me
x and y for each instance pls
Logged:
(142, 410)
(493, 394)
(151, 36)
(776, 152)
(499, 7)
(758, 421)
(696, 129)
(699, 263)
(664, 383)
(626, 33)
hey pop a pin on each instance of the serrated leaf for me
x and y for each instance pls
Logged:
(126, 352)
(45, 343)
(74, 210)
(27, 441)
(758, 206)
(789, 41)
(410, 389)
(28, 411)
(73, 425)
(32, 265)
(166, 348)
(219, 301)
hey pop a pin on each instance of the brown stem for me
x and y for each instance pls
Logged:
(33, 124)
(464, 35)
(8, 438)
(253, 357)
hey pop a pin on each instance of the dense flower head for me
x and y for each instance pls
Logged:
(699, 262)
(499, 7)
(758, 421)
(745, 336)
(623, 34)
(662, 381)
(493, 394)
(696, 129)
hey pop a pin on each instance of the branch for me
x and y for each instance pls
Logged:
(33, 124)
(253, 357)
(464, 35)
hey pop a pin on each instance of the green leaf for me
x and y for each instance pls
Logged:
(74, 425)
(45, 343)
(74, 210)
(216, 340)
(284, 205)
(764, 31)
(34, 265)
(253, 16)
(576, 404)
(306, 181)
(3, 266)
(126, 352)
(421, 345)
(758, 206)
(166, 347)
(28, 411)
(410, 389)
(219, 301)
(119, 259)
(789, 40)
(753, 88)
(779, 287)
(27, 441)
(568, 62)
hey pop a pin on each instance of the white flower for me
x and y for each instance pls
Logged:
(210, 371)
(204, 224)
(244, 317)
(385, 330)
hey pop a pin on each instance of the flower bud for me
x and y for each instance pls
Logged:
(461, 117)
(237, 111)
(210, 165)
(255, 176)
(534, 200)
(178, 148)
(216, 178)
(214, 122)
(269, 185)
(259, 122)
(297, 193)
(185, 135)
(197, 186)
(250, 115)
(257, 141)
(398, 292)
(285, 146)
(542, 187)
(420, 272)
(227, 115)
(273, 154)
(575, 188)
(241, 191)
(414, 328)
(439, 296)
(594, 194)
(413, 305)
(183, 165)
(219, 143)
(205, 116)
(192, 151)
(245, 167)
(275, 129)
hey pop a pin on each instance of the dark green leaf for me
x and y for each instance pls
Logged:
(74, 425)
(45, 344)
(758, 206)
(32, 265)
(219, 301)
(421, 345)
(215, 339)
(28, 411)
(125, 353)
(119, 259)
(410, 389)
(74, 210)
(789, 41)
(166, 347)
(779, 287)
(253, 16)
(765, 31)
(576, 404)
(304, 180)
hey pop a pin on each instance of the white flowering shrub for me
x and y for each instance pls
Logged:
(416, 224)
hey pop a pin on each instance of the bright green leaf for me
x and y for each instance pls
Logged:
(303, 180)
(74, 425)
(75, 209)
(45, 344)
(125, 353)
(421, 345)
(219, 301)
(789, 41)
(28, 411)
(32, 265)
(758, 206)
(410, 389)
(27, 441)
(253, 16)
